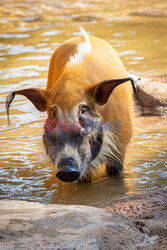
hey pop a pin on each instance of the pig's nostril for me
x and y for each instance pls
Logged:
(68, 170)
(68, 174)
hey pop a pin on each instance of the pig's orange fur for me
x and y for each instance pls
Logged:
(69, 84)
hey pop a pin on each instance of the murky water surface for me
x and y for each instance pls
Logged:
(29, 33)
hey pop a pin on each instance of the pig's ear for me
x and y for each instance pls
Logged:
(103, 90)
(36, 96)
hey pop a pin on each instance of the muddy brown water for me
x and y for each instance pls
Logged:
(29, 33)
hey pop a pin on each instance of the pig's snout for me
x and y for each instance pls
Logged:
(68, 170)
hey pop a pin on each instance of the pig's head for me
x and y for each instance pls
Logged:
(73, 132)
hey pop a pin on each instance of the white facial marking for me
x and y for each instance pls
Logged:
(68, 151)
(83, 49)
(109, 143)
(66, 116)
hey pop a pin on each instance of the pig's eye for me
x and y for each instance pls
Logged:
(53, 111)
(83, 110)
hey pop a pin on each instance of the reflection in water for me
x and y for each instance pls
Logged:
(28, 37)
